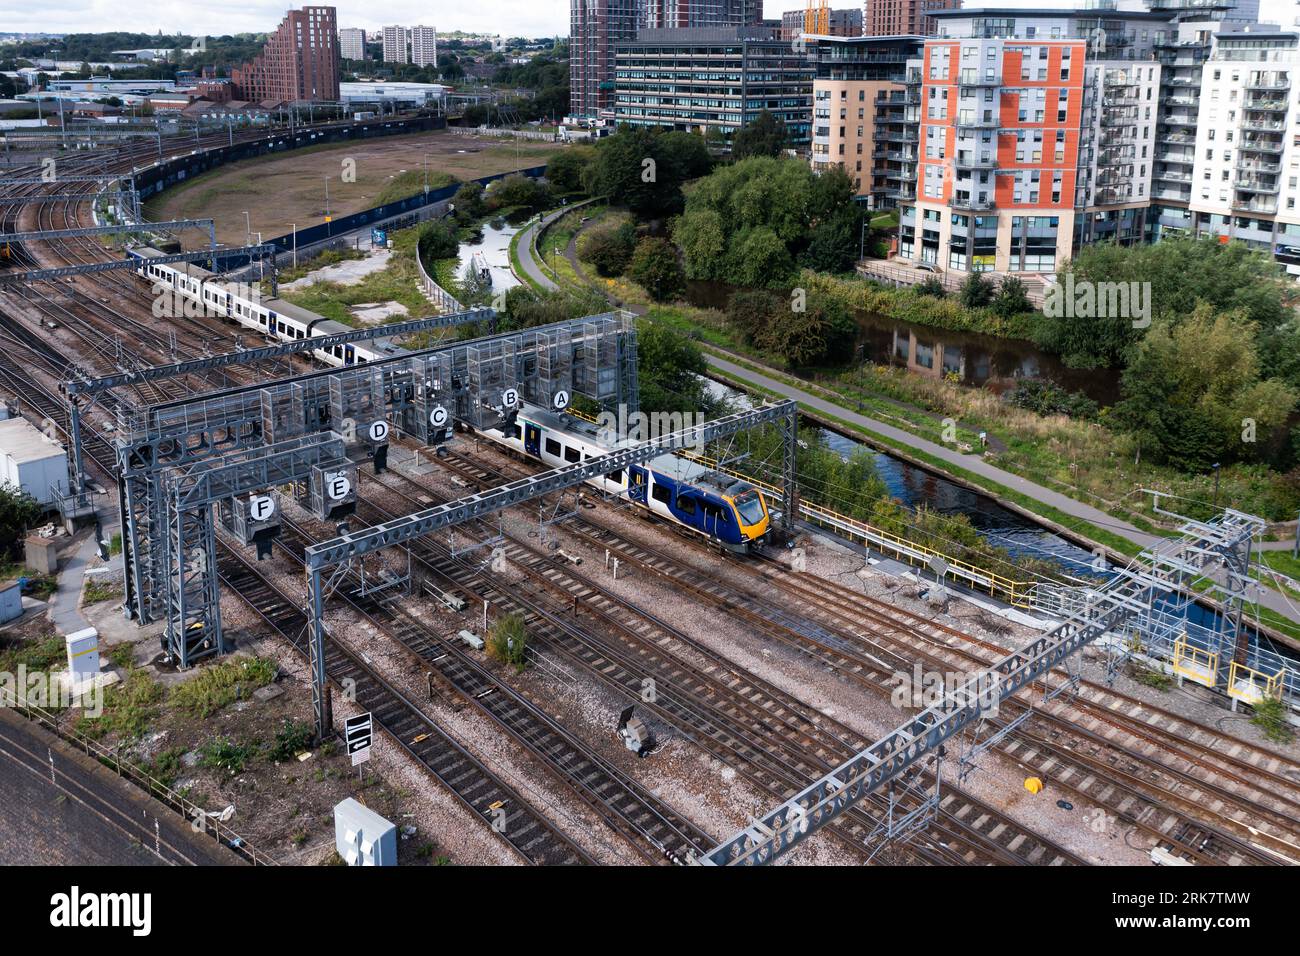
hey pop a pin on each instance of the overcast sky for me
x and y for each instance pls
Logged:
(507, 17)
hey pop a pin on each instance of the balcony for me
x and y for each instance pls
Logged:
(1262, 126)
(969, 160)
(1177, 139)
(1266, 105)
(1124, 117)
(1176, 100)
(1180, 121)
(1118, 137)
(1172, 175)
(1257, 184)
(1267, 83)
(1263, 208)
(1112, 195)
(1261, 145)
(990, 122)
(967, 201)
(1258, 167)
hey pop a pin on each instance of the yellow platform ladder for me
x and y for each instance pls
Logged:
(1252, 685)
(1194, 664)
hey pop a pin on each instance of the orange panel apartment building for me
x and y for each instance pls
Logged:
(998, 154)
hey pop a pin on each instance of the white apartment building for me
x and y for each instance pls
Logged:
(424, 46)
(352, 43)
(1246, 174)
(417, 45)
(396, 45)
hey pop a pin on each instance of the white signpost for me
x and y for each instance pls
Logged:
(359, 734)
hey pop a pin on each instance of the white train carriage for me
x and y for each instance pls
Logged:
(186, 289)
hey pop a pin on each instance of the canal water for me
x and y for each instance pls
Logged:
(971, 357)
(915, 486)
(493, 246)
(1020, 536)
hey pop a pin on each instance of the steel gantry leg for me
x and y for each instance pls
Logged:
(320, 692)
(789, 425)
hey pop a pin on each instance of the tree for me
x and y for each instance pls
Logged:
(633, 170)
(18, 512)
(823, 330)
(437, 239)
(759, 257)
(703, 240)
(765, 136)
(655, 268)
(1172, 275)
(1012, 298)
(686, 153)
(565, 170)
(609, 248)
(670, 369)
(518, 190)
(834, 243)
(469, 202)
(1193, 394)
(976, 291)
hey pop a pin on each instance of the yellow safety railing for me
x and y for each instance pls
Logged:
(1251, 685)
(1196, 664)
(1014, 592)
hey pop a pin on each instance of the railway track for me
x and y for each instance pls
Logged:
(627, 807)
(523, 827)
(1168, 803)
(482, 792)
(772, 738)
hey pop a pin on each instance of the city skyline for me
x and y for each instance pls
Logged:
(505, 17)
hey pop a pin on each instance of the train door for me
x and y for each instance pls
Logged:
(532, 439)
(637, 483)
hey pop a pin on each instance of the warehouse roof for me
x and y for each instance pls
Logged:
(23, 442)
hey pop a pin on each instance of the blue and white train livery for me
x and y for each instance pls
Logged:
(728, 511)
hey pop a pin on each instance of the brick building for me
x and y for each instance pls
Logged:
(299, 62)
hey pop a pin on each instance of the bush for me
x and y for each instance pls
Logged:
(18, 512)
(224, 754)
(976, 291)
(1012, 297)
(1047, 398)
(655, 268)
(508, 641)
(931, 286)
(291, 739)
(609, 248)
(1271, 718)
(437, 240)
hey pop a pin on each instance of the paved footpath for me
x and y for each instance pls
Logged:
(527, 244)
(973, 463)
(1269, 598)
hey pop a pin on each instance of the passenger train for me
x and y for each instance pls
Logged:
(728, 511)
(197, 288)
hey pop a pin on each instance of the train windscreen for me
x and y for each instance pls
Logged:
(750, 506)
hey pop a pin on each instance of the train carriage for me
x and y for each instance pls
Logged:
(726, 510)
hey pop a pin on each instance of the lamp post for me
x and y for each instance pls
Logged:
(248, 229)
(1216, 486)
(294, 227)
